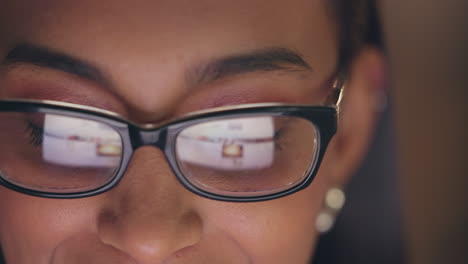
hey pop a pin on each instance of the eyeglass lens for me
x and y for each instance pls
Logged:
(247, 155)
(55, 153)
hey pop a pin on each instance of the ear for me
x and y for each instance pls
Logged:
(362, 99)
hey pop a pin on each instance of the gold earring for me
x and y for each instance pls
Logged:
(333, 203)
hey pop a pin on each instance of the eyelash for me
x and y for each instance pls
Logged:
(35, 134)
(277, 139)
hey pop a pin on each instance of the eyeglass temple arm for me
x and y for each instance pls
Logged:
(335, 97)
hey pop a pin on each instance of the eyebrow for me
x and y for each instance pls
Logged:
(44, 57)
(273, 59)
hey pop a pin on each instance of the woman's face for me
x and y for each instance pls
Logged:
(149, 55)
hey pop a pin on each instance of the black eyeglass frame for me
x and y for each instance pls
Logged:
(163, 136)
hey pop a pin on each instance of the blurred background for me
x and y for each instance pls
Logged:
(408, 202)
(427, 43)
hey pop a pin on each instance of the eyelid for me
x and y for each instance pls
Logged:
(229, 96)
(33, 82)
(69, 97)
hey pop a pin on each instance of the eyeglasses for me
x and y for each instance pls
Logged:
(242, 154)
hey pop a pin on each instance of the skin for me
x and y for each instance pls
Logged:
(145, 49)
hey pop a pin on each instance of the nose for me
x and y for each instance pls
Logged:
(149, 215)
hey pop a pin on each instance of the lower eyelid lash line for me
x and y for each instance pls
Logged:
(35, 133)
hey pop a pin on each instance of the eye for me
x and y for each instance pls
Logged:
(278, 138)
(35, 133)
(284, 129)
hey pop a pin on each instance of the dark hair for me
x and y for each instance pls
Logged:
(357, 26)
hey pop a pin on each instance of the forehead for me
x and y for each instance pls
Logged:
(162, 9)
(165, 24)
